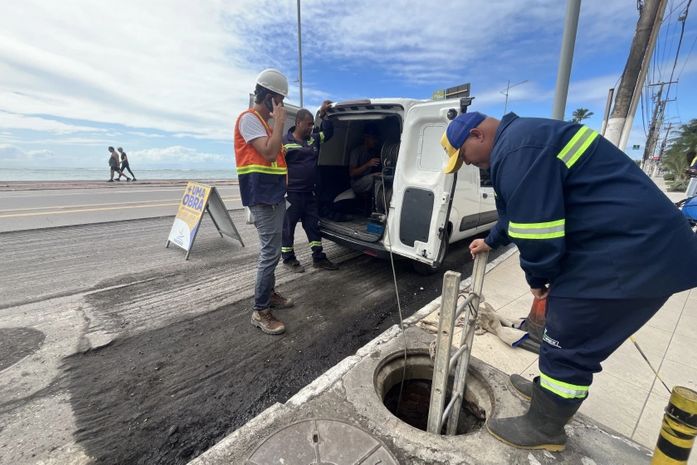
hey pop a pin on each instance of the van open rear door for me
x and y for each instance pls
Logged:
(422, 194)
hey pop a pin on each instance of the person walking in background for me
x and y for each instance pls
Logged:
(261, 169)
(114, 166)
(124, 164)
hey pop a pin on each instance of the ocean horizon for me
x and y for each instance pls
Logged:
(101, 174)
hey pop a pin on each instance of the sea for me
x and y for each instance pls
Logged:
(94, 174)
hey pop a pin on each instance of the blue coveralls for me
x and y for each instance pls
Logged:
(591, 225)
(302, 179)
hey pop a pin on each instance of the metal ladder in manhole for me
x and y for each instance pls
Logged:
(444, 364)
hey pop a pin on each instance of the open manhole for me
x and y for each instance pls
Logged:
(416, 391)
(17, 343)
(321, 442)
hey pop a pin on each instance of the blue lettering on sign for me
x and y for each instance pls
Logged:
(194, 200)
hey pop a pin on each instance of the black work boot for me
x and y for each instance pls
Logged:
(324, 264)
(522, 386)
(542, 427)
(294, 265)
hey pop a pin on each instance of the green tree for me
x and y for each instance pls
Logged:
(675, 161)
(580, 114)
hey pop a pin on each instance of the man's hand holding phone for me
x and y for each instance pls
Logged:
(278, 113)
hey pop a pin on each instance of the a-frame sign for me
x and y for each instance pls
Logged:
(199, 198)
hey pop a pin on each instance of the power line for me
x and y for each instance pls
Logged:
(683, 20)
(643, 118)
(688, 57)
(666, 38)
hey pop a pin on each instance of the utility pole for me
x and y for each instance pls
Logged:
(656, 122)
(300, 57)
(608, 106)
(509, 87)
(652, 136)
(620, 123)
(566, 58)
(665, 141)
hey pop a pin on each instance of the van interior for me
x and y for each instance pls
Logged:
(361, 216)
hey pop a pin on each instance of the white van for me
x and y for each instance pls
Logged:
(427, 208)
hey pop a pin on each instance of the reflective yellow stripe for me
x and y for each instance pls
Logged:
(247, 169)
(292, 146)
(321, 137)
(547, 230)
(576, 147)
(315, 244)
(562, 389)
(286, 249)
(311, 141)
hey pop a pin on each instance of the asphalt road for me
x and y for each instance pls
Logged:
(43, 205)
(115, 350)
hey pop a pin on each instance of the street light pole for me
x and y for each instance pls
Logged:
(300, 57)
(509, 87)
(566, 57)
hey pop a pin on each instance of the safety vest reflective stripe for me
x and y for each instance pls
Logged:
(321, 137)
(562, 389)
(578, 144)
(248, 169)
(292, 146)
(315, 243)
(547, 230)
(286, 249)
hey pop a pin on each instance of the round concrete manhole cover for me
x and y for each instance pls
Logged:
(17, 343)
(321, 442)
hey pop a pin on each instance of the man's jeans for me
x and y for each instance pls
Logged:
(268, 220)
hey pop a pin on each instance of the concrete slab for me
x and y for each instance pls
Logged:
(348, 394)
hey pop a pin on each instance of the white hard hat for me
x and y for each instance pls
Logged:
(273, 80)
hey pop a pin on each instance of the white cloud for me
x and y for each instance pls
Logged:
(122, 62)
(151, 66)
(185, 68)
(178, 156)
(12, 156)
(34, 123)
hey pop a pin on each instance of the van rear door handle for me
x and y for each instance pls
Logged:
(485, 195)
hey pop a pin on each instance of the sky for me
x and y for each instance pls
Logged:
(166, 79)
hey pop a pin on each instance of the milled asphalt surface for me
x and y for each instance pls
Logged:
(134, 355)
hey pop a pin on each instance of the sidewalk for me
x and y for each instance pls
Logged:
(625, 396)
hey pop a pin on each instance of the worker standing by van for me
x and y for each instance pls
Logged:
(302, 143)
(261, 170)
(595, 235)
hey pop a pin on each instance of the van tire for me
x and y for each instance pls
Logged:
(427, 270)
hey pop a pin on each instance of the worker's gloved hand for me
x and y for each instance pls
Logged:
(540, 293)
(478, 246)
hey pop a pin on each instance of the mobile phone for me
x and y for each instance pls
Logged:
(268, 101)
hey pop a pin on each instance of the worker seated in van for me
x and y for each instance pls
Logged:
(364, 161)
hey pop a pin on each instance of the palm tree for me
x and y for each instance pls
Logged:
(676, 159)
(580, 114)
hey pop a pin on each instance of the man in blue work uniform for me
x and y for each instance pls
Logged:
(302, 144)
(595, 235)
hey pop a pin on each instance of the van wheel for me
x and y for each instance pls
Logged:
(427, 270)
